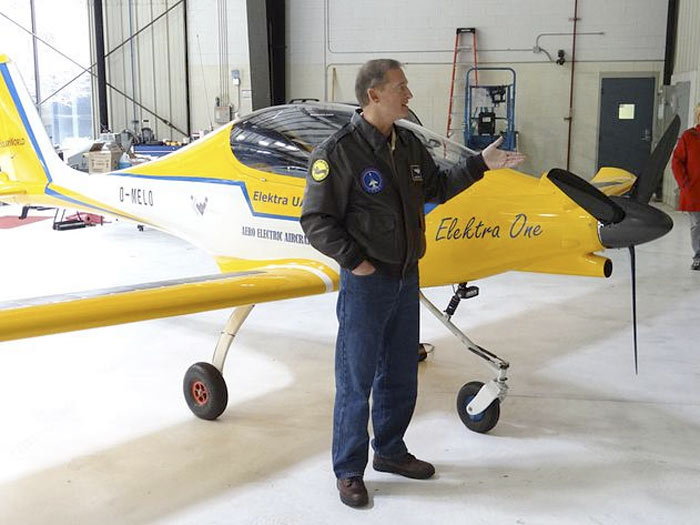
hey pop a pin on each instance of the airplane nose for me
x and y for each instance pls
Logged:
(642, 223)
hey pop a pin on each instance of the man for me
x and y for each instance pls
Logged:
(686, 169)
(363, 206)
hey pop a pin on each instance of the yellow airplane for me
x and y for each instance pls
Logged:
(237, 193)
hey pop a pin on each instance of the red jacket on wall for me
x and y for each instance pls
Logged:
(686, 168)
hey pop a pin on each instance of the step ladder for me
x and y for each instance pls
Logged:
(460, 64)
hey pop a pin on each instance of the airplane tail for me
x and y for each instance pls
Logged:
(27, 156)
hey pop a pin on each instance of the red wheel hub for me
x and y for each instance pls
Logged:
(200, 393)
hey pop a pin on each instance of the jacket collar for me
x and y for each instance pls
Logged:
(371, 134)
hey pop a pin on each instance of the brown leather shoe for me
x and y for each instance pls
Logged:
(406, 465)
(352, 491)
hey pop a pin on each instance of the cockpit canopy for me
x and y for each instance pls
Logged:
(280, 139)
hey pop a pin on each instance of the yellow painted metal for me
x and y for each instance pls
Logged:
(613, 181)
(590, 265)
(233, 264)
(16, 154)
(151, 303)
(211, 158)
(498, 225)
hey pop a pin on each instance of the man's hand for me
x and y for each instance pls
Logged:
(364, 268)
(497, 158)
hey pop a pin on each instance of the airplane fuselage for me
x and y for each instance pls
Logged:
(240, 215)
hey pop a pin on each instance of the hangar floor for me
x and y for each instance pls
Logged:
(95, 429)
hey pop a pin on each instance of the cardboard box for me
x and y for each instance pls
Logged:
(103, 157)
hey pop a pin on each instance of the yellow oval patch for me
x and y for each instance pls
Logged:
(320, 170)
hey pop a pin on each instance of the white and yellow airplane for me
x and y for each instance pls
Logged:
(237, 193)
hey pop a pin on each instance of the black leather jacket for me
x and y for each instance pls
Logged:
(368, 203)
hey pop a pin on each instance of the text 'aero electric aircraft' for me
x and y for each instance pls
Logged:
(237, 193)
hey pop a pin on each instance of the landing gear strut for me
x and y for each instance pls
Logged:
(204, 386)
(478, 404)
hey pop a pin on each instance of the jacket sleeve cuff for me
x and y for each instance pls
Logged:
(352, 260)
(476, 166)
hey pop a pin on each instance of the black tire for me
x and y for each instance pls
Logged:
(483, 421)
(205, 391)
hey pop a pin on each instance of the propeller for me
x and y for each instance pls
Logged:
(641, 192)
(630, 220)
(653, 169)
(590, 198)
(633, 269)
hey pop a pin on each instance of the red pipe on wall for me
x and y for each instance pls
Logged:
(571, 87)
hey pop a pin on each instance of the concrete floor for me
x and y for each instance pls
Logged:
(96, 430)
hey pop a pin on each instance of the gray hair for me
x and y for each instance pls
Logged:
(372, 75)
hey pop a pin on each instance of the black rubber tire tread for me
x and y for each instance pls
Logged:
(214, 382)
(490, 415)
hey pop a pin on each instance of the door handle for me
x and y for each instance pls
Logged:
(646, 137)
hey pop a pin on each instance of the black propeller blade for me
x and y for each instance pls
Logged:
(633, 269)
(626, 221)
(587, 196)
(653, 170)
(641, 192)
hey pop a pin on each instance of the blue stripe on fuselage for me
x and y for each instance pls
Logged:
(227, 182)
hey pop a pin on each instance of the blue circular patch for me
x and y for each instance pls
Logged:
(372, 180)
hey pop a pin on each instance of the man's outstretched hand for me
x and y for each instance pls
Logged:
(497, 158)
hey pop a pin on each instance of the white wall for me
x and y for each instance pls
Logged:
(159, 82)
(328, 39)
(204, 65)
(686, 67)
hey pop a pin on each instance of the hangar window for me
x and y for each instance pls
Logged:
(625, 111)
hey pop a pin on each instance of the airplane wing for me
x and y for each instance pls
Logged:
(78, 311)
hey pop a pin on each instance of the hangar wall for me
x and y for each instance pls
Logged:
(685, 77)
(204, 58)
(148, 68)
(688, 42)
(153, 70)
(329, 39)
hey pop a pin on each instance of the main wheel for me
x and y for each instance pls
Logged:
(483, 421)
(205, 391)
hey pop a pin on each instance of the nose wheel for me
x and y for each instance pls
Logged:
(478, 404)
(480, 422)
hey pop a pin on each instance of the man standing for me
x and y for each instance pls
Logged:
(363, 206)
(686, 169)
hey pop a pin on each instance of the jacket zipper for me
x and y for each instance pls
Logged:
(402, 195)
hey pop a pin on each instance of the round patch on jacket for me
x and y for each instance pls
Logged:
(372, 180)
(320, 170)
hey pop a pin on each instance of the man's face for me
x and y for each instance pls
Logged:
(392, 97)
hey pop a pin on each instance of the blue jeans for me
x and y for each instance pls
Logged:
(695, 233)
(376, 351)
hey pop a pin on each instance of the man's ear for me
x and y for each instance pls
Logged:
(372, 94)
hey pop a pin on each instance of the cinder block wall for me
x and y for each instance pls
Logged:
(327, 40)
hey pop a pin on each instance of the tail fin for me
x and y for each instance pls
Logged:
(27, 156)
